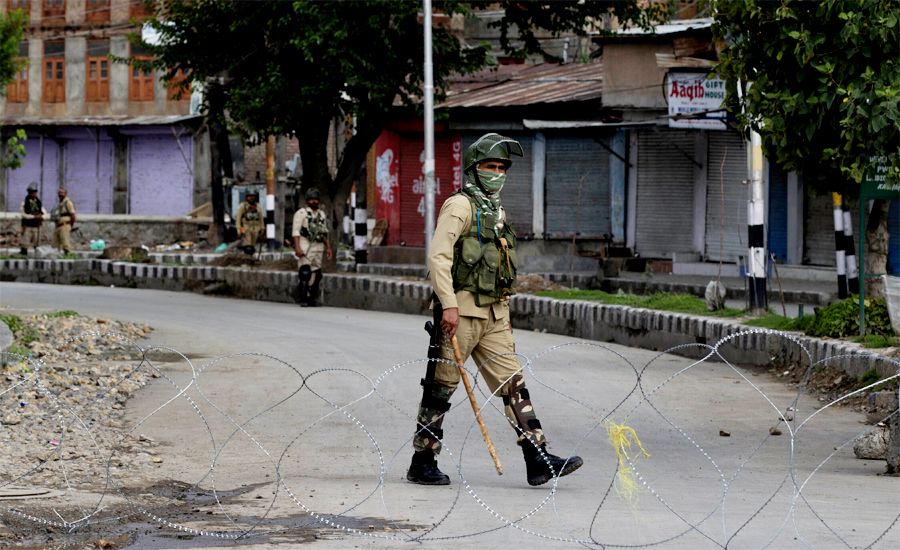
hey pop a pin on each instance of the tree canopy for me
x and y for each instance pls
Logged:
(824, 87)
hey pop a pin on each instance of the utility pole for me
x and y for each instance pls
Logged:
(429, 132)
(271, 243)
(756, 209)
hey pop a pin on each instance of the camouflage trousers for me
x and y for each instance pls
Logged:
(481, 339)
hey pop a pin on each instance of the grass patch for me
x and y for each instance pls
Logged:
(779, 322)
(66, 313)
(14, 322)
(876, 341)
(662, 301)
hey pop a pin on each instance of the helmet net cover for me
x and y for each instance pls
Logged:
(254, 192)
(312, 193)
(492, 147)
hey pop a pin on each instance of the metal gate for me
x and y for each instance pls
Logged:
(89, 175)
(664, 222)
(778, 213)
(726, 167)
(517, 193)
(819, 247)
(574, 162)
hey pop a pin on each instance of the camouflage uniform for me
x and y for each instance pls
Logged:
(250, 218)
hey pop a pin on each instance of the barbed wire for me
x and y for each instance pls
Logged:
(69, 418)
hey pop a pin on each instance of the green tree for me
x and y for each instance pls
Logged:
(823, 91)
(294, 67)
(12, 26)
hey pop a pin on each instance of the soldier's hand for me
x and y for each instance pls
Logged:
(328, 253)
(241, 231)
(298, 253)
(449, 321)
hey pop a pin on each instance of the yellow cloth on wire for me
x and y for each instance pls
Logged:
(626, 485)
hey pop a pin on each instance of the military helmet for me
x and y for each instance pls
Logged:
(32, 188)
(313, 193)
(491, 147)
(253, 191)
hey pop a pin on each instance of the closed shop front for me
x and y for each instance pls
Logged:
(664, 222)
(448, 158)
(819, 247)
(161, 179)
(778, 213)
(30, 172)
(726, 172)
(573, 163)
(89, 175)
(517, 193)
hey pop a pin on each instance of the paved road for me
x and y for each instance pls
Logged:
(331, 463)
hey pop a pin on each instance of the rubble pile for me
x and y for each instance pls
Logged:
(43, 402)
(531, 284)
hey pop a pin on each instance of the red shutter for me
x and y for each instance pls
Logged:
(412, 181)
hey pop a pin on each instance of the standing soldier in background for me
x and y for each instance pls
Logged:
(473, 272)
(63, 214)
(310, 232)
(32, 217)
(250, 222)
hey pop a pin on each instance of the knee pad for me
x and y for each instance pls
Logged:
(305, 273)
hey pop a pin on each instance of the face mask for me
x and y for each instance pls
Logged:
(492, 182)
(314, 205)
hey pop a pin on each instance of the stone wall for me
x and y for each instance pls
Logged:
(118, 229)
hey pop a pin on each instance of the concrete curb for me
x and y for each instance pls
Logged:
(658, 330)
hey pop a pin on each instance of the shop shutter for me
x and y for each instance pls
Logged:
(731, 148)
(19, 179)
(412, 182)
(819, 247)
(160, 182)
(893, 265)
(517, 191)
(90, 194)
(664, 221)
(571, 160)
(777, 213)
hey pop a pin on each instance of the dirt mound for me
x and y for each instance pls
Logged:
(529, 284)
(285, 264)
(234, 260)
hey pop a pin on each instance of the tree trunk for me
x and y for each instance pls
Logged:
(219, 159)
(877, 240)
(313, 143)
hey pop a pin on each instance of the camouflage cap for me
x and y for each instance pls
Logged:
(32, 188)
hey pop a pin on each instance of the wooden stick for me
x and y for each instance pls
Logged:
(781, 290)
(484, 432)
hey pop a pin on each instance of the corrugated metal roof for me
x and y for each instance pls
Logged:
(517, 85)
(673, 27)
(108, 120)
(573, 124)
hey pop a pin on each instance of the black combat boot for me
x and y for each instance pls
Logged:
(538, 469)
(424, 470)
(303, 294)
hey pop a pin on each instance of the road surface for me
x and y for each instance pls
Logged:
(332, 460)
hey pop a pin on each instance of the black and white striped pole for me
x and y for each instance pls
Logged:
(840, 255)
(271, 243)
(850, 252)
(756, 218)
(360, 219)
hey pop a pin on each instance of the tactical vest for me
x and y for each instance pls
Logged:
(484, 262)
(57, 211)
(315, 229)
(251, 213)
(33, 208)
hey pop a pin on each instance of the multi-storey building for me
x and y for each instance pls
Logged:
(118, 138)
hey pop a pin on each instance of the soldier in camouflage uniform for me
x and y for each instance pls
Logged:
(33, 215)
(250, 221)
(473, 272)
(310, 232)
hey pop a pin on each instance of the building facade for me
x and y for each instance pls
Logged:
(118, 138)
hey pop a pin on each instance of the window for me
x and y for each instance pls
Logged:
(17, 90)
(96, 10)
(139, 10)
(54, 72)
(18, 5)
(97, 81)
(174, 86)
(54, 12)
(141, 86)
